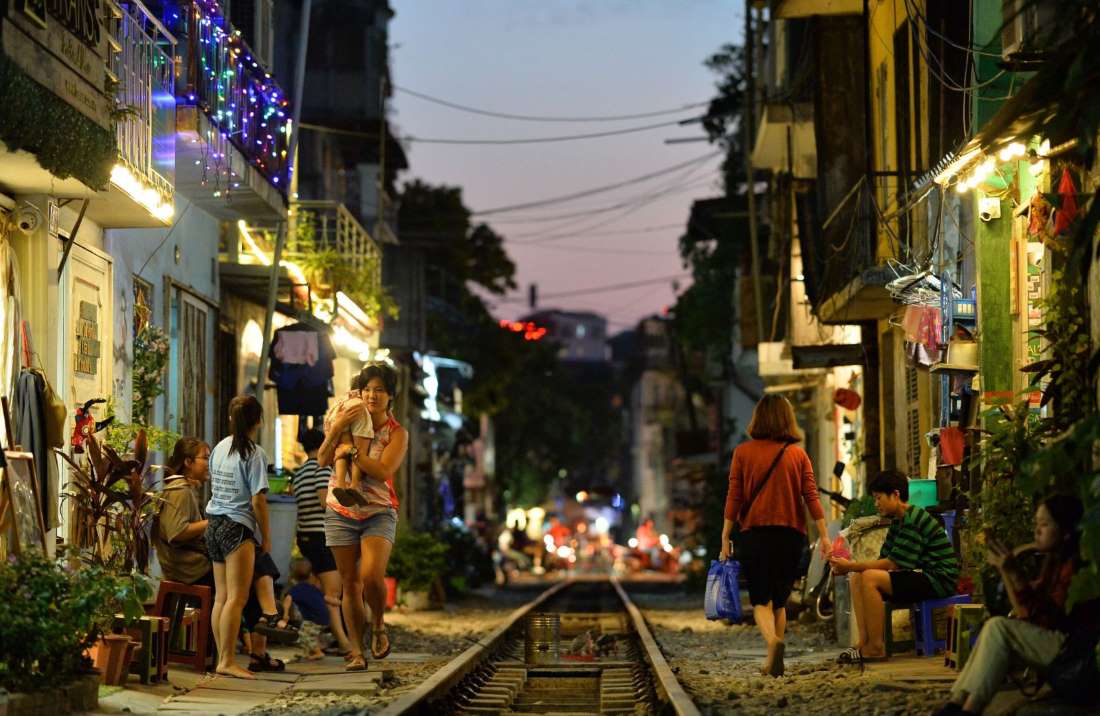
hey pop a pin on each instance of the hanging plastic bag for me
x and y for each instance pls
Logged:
(723, 596)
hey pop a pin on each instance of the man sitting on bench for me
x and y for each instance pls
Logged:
(917, 562)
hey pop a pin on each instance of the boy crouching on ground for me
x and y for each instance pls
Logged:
(306, 598)
(917, 562)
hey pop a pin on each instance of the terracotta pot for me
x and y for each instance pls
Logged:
(113, 658)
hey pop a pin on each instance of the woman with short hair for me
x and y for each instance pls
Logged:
(771, 480)
(361, 536)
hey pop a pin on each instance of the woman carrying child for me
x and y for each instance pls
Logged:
(361, 536)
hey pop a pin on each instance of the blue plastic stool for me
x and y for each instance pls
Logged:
(924, 633)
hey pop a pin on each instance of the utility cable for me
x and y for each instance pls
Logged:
(603, 289)
(517, 140)
(537, 118)
(597, 190)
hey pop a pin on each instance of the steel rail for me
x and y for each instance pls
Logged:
(439, 683)
(668, 685)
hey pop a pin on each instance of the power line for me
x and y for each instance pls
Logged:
(604, 289)
(592, 250)
(517, 140)
(597, 190)
(536, 118)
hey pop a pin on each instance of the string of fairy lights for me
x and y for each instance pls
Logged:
(239, 96)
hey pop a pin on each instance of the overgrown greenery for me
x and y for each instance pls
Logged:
(325, 265)
(64, 141)
(469, 564)
(418, 559)
(51, 612)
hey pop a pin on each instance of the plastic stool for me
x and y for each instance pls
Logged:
(172, 598)
(963, 623)
(923, 623)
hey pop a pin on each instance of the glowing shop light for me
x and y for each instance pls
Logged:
(632, 543)
(582, 496)
(292, 268)
(601, 525)
(345, 303)
(149, 198)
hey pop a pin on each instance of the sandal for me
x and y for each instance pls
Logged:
(269, 627)
(377, 635)
(848, 656)
(356, 663)
(348, 497)
(265, 663)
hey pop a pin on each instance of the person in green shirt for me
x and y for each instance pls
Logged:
(917, 562)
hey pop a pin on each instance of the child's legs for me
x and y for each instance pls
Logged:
(265, 594)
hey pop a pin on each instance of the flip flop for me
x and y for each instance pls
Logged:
(348, 497)
(848, 656)
(265, 663)
(357, 663)
(375, 636)
(269, 627)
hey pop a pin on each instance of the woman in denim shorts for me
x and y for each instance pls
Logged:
(237, 525)
(361, 536)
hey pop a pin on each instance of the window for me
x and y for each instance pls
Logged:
(581, 330)
(912, 420)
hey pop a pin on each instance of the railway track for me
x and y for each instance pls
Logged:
(580, 647)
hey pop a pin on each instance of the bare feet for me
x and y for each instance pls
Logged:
(236, 672)
(773, 664)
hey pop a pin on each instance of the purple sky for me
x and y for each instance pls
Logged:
(566, 58)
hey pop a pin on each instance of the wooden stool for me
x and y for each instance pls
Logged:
(150, 661)
(172, 598)
(964, 621)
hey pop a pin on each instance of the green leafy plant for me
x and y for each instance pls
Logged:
(52, 611)
(860, 507)
(151, 350)
(418, 559)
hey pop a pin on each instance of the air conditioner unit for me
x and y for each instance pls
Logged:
(1026, 30)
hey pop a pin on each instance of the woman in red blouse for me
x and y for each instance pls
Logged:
(771, 484)
(1037, 631)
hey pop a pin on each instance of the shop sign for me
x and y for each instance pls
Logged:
(86, 360)
(62, 45)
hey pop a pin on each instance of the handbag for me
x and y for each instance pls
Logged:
(1073, 674)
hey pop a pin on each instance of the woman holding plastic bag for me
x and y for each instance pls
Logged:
(771, 478)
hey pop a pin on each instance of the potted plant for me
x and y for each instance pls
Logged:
(53, 611)
(417, 562)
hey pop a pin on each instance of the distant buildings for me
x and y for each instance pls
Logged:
(581, 334)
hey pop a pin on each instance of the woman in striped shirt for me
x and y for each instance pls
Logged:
(310, 485)
(917, 562)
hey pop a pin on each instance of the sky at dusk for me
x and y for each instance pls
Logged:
(566, 58)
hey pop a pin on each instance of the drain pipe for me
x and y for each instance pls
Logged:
(292, 154)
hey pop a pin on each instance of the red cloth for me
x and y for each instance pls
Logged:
(1068, 210)
(779, 504)
(952, 442)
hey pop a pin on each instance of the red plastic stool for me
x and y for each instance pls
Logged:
(172, 599)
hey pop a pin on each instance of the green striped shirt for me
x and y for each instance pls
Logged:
(917, 542)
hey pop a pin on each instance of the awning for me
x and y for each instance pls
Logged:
(250, 282)
(829, 356)
(864, 298)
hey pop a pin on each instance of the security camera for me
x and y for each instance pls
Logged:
(989, 208)
(28, 218)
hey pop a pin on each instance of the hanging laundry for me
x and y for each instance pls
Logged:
(29, 418)
(952, 442)
(297, 347)
(1068, 211)
(302, 388)
(924, 325)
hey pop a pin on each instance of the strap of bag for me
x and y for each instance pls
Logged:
(760, 486)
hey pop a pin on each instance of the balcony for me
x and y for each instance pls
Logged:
(233, 119)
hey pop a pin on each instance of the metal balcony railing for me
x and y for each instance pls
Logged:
(334, 227)
(216, 72)
(142, 66)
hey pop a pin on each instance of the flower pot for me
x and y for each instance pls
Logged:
(417, 601)
(113, 658)
(391, 592)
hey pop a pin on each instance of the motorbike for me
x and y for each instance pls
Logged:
(817, 594)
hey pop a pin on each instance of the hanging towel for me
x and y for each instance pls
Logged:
(296, 347)
(952, 442)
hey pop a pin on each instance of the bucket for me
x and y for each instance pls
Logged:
(391, 592)
(922, 493)
(543, 643)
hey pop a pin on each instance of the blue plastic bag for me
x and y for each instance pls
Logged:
(723, 597)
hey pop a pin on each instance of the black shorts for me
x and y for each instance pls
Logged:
(908, 587)
(312, 546)
(770, 557)
(224, 536)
